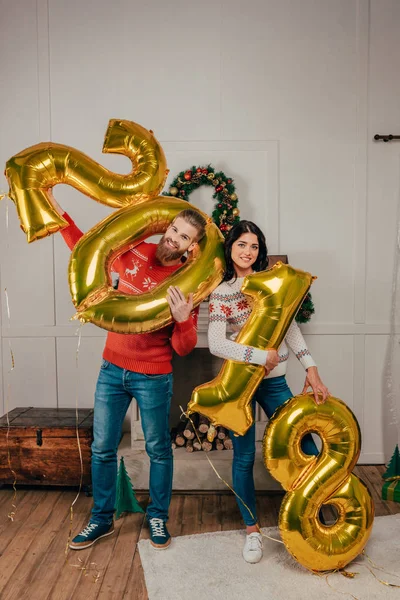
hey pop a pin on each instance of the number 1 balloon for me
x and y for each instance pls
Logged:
(276, 295)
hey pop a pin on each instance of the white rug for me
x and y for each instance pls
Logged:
(210, 565)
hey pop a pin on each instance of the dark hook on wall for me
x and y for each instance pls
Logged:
(386, 138)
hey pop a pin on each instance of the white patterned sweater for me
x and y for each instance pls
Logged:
(229, 309)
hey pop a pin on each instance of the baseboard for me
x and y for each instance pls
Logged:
(372, 458)
(192, 471)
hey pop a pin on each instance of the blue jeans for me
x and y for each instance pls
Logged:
(114, 391)
(270, 394)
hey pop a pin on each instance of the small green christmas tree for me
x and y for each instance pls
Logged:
(126, 497)
(393, 468)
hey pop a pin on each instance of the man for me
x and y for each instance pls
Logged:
(139, 366)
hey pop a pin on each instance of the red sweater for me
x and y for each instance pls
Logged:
(139, 271)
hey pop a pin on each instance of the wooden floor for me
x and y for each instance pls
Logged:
(33, 564)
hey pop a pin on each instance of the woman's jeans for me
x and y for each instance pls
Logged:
(115, 389)
(270, 394)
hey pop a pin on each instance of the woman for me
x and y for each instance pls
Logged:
(246, 252)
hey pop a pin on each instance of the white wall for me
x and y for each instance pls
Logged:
(283, 95)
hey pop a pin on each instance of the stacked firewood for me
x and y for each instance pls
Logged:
(205, 437)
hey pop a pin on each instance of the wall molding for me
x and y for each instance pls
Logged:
(372, 458)
(29, 331)
(360, 205)
(359, 366)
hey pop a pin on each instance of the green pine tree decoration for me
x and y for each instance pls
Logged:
(391, 487)
(126, 497)
(393, 468)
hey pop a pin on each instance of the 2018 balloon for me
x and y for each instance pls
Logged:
(312, 481)
(276, 295)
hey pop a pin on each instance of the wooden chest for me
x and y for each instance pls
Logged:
(43, 446)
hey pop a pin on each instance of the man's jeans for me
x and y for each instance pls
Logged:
(115, 389)
(270, 394)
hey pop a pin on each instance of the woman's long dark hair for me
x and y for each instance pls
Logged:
(233, 235)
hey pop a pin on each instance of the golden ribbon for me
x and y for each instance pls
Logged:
(392, 487)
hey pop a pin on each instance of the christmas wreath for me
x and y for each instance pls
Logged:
(226, 212)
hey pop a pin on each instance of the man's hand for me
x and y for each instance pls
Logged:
(314, 381)
(180, 308)
(272, 360)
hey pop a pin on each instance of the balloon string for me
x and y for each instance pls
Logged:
(391, 379)
(378, 568)
(13, 510)
(79, 334)
(185, 414)
(87, 568)
(351, 574)
(11, 514)
(345, 574)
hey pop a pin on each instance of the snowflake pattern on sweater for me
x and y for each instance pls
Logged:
(229, 309)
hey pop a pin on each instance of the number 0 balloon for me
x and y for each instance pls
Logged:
(99, 303)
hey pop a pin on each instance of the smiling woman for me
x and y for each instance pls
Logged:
(259, 350)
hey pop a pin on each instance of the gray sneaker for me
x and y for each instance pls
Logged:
(253, 549)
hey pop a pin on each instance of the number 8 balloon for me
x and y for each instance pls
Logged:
(314, 481)
(32, 172)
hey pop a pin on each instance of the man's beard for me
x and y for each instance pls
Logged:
(166, 254)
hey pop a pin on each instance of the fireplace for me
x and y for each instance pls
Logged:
(191, 469)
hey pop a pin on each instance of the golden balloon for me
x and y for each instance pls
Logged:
(91, 290)
(31, 174)
(36, 169)
(276, 295)
(314, 481)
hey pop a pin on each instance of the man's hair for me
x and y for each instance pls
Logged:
(195, 219)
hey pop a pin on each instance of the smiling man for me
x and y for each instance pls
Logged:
(139, 366)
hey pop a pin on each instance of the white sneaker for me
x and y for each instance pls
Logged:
(253, 550)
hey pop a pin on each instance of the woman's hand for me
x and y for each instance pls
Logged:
(180, 307)
(314, 381)
(272, 360)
